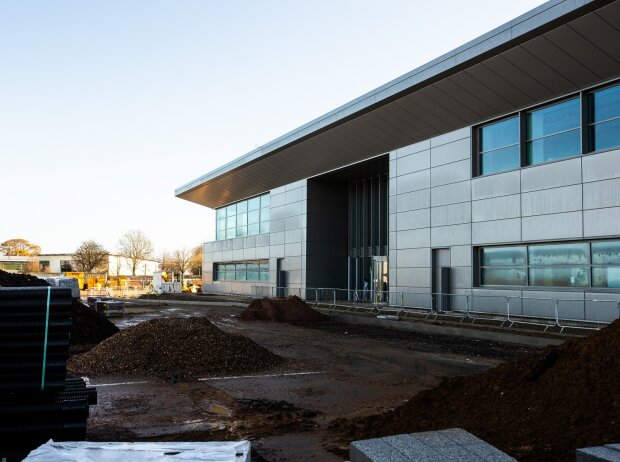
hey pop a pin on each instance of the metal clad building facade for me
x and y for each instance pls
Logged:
(499, 160)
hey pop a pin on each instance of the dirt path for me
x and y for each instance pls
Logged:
(336, 370)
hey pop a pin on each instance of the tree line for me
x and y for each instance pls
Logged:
(135, 246)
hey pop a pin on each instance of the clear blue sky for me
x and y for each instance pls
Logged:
(107, 106)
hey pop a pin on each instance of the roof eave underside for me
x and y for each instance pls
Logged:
(557, 48)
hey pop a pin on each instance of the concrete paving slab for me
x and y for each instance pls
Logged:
(609, 453)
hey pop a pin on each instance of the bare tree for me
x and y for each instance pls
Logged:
(166, 262)
(195, 264)
(181, 259)
(19, 247)
(135, 246)
(89, 256)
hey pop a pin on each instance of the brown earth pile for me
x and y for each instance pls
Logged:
(539, 408)
(178, 347)
(290, 309)
(88, 327)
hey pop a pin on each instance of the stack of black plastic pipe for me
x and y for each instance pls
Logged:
(38, 401)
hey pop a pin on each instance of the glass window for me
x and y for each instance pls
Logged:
(265, 201)
(559, 254)
(560, 276)
(264, 226)
(553, 132)
(604, 118)
(254, 203)
(606, 253)
(606, 277)
(231, 210)
(242, 219)
(503, 256)
(231, 232)
(221, 234)
(498, 146)
(253, 229)
(220, 213)
(242, 207)
(231, 221)
(503, 276)
(253, 217)
(500, 160)
(242, 231)
(221, 224)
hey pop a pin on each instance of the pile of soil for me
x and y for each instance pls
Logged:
(177, 347)
(20, 280)
(290, 309)
(539, 408)
(88, 327)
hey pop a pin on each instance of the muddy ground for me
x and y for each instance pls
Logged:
(335, 370)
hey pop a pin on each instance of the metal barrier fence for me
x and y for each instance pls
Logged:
(508, 310)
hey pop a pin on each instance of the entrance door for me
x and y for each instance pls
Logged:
(441, 279)
(380, 279)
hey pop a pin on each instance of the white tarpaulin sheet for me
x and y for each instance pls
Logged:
(86, 451)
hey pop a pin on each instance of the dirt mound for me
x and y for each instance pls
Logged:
(539, 408)
(291, 309)
(89, 327)
(183, 347)
(20, 280)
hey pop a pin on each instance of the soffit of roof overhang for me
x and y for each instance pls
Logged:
(570, 48)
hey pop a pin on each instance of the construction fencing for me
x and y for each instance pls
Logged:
(550, 312)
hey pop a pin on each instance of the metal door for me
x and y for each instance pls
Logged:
(380, 279)
(441, 285)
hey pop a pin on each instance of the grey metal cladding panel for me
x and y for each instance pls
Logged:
(413, 219)
(237, 254)
(450, 173)
(601, 194)
(450, 137)
(277, 213)
(496, 208)
(293, 235)
(468, 83)
(501, 86)
(413, 200)
(294, 195)
(502, 184)
(451, 194)
(460, 277)
(460, 255)
(413, 181)
(552, 175)
(249, 254)
(277, 237)
(413, 277)
(496, 232)
(601, 166)
(450, 235)
(414, 162)
(410, 258)
(598, 309)
(277, 200)
(451, 152)
(262, 239)
(413, 148)
(392, 223)
(556, 226)
(556, 200)
(413, 238)
(277, 225)
(602, 222)
(453, 214)
(599, 31)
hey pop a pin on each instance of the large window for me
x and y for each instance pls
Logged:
(604, 118)
(245, 218)
(575, 264)
(257, 270)
(583, 123)
(498, 145)
(553, 132)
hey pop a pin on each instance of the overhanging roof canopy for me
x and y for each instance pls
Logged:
(559, 47)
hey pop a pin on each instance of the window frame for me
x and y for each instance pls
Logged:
(221, 274)
(221, 215)
(584, 128)
(478, 259)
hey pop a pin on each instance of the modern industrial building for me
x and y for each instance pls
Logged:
(493, 171)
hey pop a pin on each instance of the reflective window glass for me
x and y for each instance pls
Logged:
(264, 226)
(503, 276)
(254, 203)
(253, 229)
(231, 222)
(221, 234)
(221, 224)
(567, 144)
(242, 231)
(264, 214)
(560, 276)
(231, 210)
(500, 160)
(264, 201)
(499, 134)
(605, 135)
(604, 104)
(253, 216)
(606, 277)
(553, 119)
(606, 253)
(242, 207)
(231, 232)
(559, 254)
(503, 256)
(242, 219)
(220, 213)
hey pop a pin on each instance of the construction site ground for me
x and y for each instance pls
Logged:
(333, 370)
